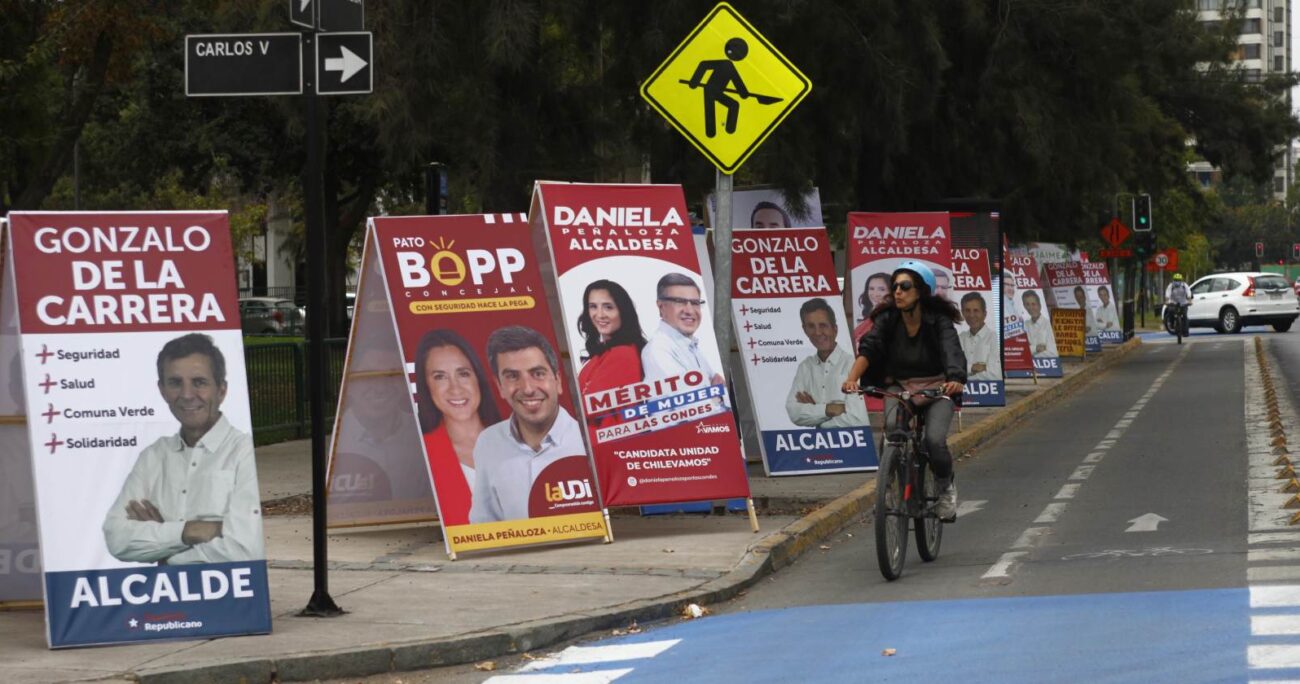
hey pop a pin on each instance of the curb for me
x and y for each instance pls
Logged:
(776, 551)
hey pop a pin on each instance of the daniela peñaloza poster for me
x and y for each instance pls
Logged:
(1031, 307)
(501, 440)
(879, 242)
(797, 352)
(639, 326)
(142, 453)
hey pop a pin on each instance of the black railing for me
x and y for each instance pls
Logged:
(278, 384)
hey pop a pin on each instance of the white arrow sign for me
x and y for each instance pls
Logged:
(1146, 523)
(349, 64)
(302, 5)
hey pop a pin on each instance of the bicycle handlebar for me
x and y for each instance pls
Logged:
(905, 395)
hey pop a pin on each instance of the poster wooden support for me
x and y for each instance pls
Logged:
(753, 515)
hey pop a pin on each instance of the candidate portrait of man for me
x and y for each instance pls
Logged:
(1042, 342)
(769, 215)
(816, 398)
(978, 341)
(509, 455)
(191, 497)
(674, 348)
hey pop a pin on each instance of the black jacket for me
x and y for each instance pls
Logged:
(939, 337)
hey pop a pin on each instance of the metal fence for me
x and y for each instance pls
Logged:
(278, 385)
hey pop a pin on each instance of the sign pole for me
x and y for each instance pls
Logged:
(321, 604)
(722, 268)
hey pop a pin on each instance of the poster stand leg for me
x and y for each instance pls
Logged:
(609, 529)
(753, 515)
(450, 553)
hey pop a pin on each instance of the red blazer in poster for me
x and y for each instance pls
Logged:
(505, 448)
(629, 282)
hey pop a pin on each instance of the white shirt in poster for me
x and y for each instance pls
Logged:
(982, 347)
(822, 381)
(1042, 343)
(505, 466)
(1106, 318)
(669, 353)
(216, 479)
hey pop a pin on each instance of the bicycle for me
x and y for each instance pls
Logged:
(1176, 320)
(906, 488)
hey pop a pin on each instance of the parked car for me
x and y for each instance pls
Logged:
(1228, 302)
(270, 316)
(1297, 286)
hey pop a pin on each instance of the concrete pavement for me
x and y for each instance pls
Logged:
(411, 607)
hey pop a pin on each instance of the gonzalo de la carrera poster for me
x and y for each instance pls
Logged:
(141, 439)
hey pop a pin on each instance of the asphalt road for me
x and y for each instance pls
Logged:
(1110, 539)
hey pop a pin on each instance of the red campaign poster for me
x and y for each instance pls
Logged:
(877, 244)
(147, 504)
(500, 434)
(640, 329)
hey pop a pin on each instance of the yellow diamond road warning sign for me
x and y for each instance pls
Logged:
(725, 88)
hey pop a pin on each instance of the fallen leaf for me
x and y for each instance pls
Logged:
(485, 666)
(634, 629)
(670, 551)
(888, 652)
(825, 547)
(618, 632)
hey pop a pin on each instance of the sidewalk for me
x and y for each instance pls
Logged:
(410, 607)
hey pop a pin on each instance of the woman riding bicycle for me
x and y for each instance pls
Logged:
(913, 346)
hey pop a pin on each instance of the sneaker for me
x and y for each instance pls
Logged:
(946, 508)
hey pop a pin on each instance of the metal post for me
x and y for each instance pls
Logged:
(435, 189)
(321, 604)
(722, 269)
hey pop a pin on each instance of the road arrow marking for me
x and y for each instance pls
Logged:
(965, 508)
(349, 64)
(1146, 523)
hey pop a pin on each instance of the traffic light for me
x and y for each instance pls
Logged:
(1295, 251)
(1144, 245)
(1142, 213)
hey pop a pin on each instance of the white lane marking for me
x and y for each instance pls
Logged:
(1068, 491)
(1274, 625)
(1051, 513)
(1094, 457)
(1082, 472)
(1272, 656)
(965, 508)
(601, 677)
(1131, 415)
(590, 655)
(1104, 444)
(1147, 522)
(1273, 538)
(1264, 555)
(1123, 424)
(1002, 568)
(1031, 537)
(1282, 573)
(1114, 434)
(1275, 596)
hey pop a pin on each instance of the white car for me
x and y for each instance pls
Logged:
(1228, 302)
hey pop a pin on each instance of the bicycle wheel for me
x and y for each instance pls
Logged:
(891, 516)
(929, 528)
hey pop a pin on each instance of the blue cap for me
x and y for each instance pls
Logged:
(919, 269)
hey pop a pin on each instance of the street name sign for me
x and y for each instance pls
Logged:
(725, 88)
(226, 64)
(303, 13)
(344, 63)
(342, 15)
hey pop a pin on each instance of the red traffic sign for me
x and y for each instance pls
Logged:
(1115, 233)
(1259, 249)
(1117, 253)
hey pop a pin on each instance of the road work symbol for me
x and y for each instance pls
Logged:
(725, 70)
(724, 81)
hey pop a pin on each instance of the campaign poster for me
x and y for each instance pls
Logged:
(797, 352)
(1069, 329)
(148, 509)
(877, 244)
(765, 208)
(980, 337)
(377, 472)
(20, 563)
(638, 319)
(1025, 289)
(499, 435)
(1101, 299)
(1069, 292)
(1050, 252)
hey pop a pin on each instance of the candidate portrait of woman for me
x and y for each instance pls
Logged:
(455, 403)
(613, 340)
(873, 293)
